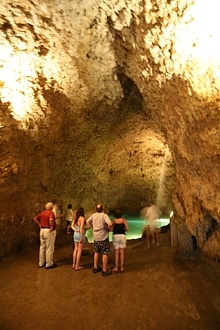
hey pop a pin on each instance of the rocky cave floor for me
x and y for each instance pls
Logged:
(158, 290)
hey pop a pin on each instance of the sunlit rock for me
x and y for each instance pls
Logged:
(111, 102)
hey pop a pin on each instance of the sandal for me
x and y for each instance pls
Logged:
(80, 268)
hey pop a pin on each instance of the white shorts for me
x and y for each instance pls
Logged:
(119, 241)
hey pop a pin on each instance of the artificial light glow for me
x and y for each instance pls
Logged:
(182, 38)
(135, 224)
(187, 45)
(18, 73)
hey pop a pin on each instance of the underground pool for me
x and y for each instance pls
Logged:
(136, 225)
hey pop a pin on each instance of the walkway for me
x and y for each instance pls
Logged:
(158, 291)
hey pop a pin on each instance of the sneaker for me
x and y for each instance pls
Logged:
(108, 272)
(52, 266)
(97, 270)
(158, 243)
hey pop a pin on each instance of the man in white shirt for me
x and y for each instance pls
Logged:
(101, 225)
(153, 215)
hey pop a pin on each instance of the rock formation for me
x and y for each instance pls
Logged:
(116, 102)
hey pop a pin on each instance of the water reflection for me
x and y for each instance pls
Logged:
(136, 225)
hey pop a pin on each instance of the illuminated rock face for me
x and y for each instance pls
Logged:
(110, 103)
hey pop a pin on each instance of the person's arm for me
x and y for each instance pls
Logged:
(60, 215)
(82, 220)
(126, 225)
(89, 223)
(57, 213)
(109, 223)
(51, 222)
(147, 214)
(73, 222)
(74, 228)
(36, 219)
(112, 225)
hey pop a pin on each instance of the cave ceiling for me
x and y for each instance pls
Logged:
(114, 102)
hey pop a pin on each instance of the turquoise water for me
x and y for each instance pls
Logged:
(135, 224)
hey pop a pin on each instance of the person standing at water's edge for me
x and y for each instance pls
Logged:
(78, 237)
(120, 226)
(47, 225)
(101, 225)
(153, 215)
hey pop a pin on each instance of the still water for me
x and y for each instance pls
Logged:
(136, 225)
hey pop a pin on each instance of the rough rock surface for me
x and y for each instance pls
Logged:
(115, 102)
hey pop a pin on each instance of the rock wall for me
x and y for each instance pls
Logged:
(107, 102)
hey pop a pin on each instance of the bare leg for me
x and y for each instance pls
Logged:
(74, 254)
(148, 239)
(96, 260)
(158, 237)
(153, 237)
(104, 262)
(122, 259)
(78, 256)
(116, 260)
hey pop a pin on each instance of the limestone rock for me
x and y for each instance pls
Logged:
(115, 102)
